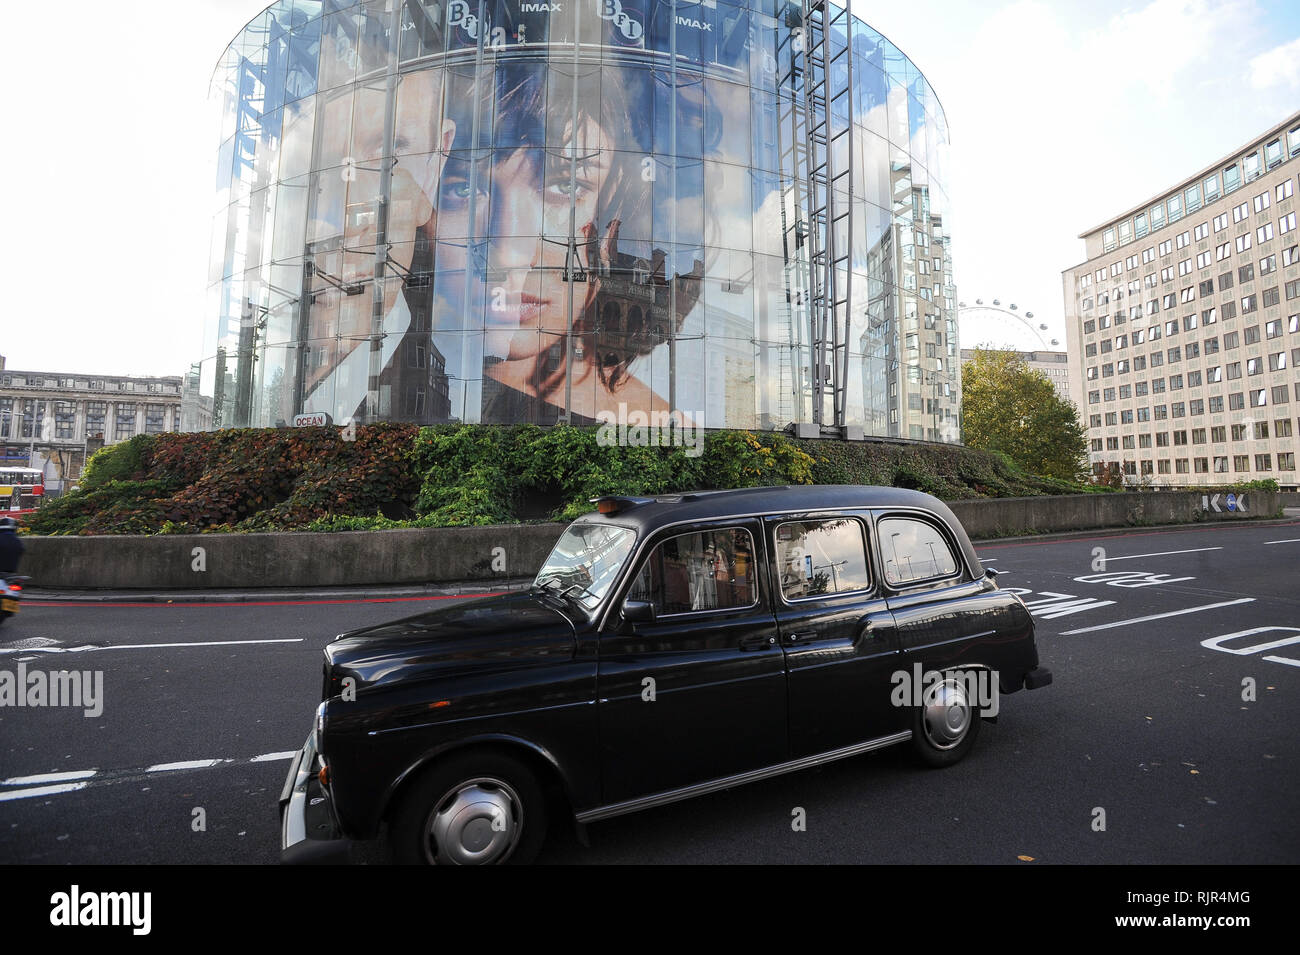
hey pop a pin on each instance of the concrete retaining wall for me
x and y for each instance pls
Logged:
(1010, 516)
(445, 554)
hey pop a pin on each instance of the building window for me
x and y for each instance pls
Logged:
(1251, 167)
(1231, 178)
(125, 425)
(65, 419)
(155, 419)
(95, 412)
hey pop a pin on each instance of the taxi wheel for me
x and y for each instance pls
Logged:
(471, 809)
(947, 723)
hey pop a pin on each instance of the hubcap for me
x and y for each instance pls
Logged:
(477, 822)
(947, 714)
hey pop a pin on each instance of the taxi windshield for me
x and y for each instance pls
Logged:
(586, 561)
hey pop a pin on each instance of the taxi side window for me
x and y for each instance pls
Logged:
(914, 551)
(706, 570)
(818, 558)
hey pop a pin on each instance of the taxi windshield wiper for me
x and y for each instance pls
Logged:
(553, 587)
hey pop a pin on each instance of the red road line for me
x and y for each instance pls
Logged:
(246, 603)
(1159, 533)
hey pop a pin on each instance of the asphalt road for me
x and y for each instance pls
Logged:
(1142, 751)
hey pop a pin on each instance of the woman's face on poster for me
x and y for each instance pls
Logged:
(517, 198)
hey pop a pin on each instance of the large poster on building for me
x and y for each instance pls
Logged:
(512, 211)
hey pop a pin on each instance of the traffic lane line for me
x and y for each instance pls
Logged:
(1164, 553)
(99, 777)
(89, 648)
(1157, 616)
(48, 778)
(159, 604)
(9, 795)
(1293, 540)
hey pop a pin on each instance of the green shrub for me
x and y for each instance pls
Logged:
(117, 462)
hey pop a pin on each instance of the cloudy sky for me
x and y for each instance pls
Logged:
(1062, 114)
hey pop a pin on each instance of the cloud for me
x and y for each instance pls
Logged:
(1279, 66)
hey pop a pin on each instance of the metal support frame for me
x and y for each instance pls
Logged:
(816, 150)
(827, 88)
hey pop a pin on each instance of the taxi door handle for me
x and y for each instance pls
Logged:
(757, 642)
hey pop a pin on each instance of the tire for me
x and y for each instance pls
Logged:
(449, 815)
(945, 727)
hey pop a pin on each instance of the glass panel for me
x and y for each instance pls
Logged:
(712, 570)
(819, 558)
(914, 551)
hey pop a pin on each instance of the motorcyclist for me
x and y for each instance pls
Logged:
(11, 547)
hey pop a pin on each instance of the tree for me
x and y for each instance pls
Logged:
(1008, 407)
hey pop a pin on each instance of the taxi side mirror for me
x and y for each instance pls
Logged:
(638, 611)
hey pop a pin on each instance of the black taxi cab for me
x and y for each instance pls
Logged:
(669, 647)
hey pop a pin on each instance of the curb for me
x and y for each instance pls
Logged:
(462, 589)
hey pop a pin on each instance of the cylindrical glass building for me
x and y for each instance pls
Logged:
(501, 211)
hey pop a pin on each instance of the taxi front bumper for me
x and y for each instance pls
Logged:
(309, 831)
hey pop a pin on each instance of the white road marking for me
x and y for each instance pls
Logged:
(47, 778)
(116, 775)
(1293, 540)
(1163, 553)
(987, 560)
(150, 646)
(40, 791)
(1159, 616)
(188, 764)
